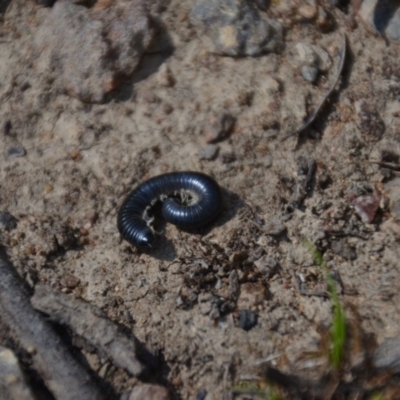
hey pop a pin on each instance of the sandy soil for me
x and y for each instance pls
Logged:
(184, 300)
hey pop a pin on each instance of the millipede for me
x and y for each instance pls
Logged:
(189, 200)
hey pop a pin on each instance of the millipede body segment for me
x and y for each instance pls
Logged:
(189, 200)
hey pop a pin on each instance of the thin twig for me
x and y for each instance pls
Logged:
(316, 293)
(312, 117)
(385, 164)
(61, 373)
(90, 323)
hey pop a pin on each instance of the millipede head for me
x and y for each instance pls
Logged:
(145, 240)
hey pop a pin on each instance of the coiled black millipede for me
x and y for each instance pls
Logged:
(189, 200)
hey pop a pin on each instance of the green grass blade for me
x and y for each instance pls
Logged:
(338, 328)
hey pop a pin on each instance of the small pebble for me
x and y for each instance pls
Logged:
(324, 60)
(83, 231)
(30, 250)
(48, 188)
(308, 11)
(247, 319)
(75, 154)
(209, 153)
(271, 86)
(313, 56)
(310, 74)
(366, 207)
(12, 380)
(70, 281)
(387, 355)
(104, 370)
(165, 76)
(219, 127)
(7, 221)
(7, 127)
(236, 28)
(306, 55)
(92, 217)
(256, 254)
(167, 108)
(201, 395)
(382, 17)
(324, 22)
(179, 301)
(149, 392)
(15, 152)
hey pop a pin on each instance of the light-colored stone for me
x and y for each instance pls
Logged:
(149, 392)
(382, 17)
(12, 381)
(235, 27)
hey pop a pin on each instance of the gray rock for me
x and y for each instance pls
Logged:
(15, 152)
(209, 152)
(149, 392)
(312, 60)
(201, 395)
(236, 28)
(88, 50)
(324, 60)
(382, 17)
(7, 126)
(7, 221)
(306, 55)
(12, 381)
(314, 56)
(387, 355)
(247, 319)
(310, 74)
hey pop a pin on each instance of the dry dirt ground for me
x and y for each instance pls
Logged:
(67, 164)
